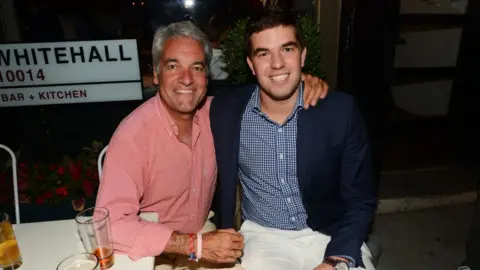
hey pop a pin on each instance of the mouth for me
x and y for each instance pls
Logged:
(280, 78)
(184, 91)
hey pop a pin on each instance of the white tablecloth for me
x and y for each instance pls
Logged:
(44, 244)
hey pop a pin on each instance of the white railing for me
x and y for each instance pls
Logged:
(100, 162)
(15, 181)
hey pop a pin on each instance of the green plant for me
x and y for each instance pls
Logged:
(312, 38)
(234, 51)
(71, 178)
(234, 54)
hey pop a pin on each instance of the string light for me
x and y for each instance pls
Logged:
(189, 3)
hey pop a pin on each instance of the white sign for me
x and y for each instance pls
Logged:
(69, 72)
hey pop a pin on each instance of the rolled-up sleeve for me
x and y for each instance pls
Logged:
(121, 189)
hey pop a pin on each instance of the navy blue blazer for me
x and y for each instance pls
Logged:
(334, 166)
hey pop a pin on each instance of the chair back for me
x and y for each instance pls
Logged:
(15, 181)
(100, 162)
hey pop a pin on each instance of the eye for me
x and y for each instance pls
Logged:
(171, 67)
(198, 68)
(262, 54)
(289, 49)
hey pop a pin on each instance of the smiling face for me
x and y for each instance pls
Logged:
(183, 75)
(276, 61)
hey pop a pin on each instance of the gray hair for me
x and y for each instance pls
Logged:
(179, 29)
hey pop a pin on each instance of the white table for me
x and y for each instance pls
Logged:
(44, 244)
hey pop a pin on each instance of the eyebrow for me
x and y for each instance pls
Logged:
(202, 63)
(173, 60)
(286, 44)
(170, 60)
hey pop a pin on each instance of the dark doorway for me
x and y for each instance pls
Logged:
(371, 34)
(422, 116)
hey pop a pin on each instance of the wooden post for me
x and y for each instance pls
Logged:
(464, 109)
(328, 13)
(9, 23)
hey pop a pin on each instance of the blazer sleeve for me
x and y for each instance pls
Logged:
(358, 190)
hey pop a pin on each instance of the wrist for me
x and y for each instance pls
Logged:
(336, 262)
(337, 258)
(179, 243)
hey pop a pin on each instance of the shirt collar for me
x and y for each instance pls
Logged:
(166, 119)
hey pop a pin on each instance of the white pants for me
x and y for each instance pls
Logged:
(273, 249)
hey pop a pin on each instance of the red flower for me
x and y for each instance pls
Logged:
(53, 167)
(22, 170)
(36, 165)
(22, 184)
(47, 195)
(88, 188)
(62, 191)
(40, 200)
(75, 171)
(92, 173)
(61, 170)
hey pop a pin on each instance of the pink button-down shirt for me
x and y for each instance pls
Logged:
(147, 169)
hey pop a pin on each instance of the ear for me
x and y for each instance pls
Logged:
(250, 64)
(155, 77)
(304, 56)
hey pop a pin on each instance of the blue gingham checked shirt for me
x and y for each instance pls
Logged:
(268, 168)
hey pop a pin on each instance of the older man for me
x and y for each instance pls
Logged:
(162, 159)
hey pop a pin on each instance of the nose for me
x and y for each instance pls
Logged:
(186, 77)
(277, 61)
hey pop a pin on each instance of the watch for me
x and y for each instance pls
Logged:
(337, 264)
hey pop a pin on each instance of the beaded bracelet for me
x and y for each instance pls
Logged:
(192, 257)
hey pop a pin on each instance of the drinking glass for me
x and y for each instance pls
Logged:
(79, 261)
(94, 230)
(10, 256)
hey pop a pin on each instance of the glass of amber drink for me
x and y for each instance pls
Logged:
(94, 229)
(10, 257)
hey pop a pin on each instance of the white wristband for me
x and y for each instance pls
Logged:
(199, 246)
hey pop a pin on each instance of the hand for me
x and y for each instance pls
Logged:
(324, 266)
(315, 89)
(222, 246)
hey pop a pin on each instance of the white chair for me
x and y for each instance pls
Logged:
(100, 162)
(15, 181)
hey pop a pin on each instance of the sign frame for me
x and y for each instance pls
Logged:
(16, 93)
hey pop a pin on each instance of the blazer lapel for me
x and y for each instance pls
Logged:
(235, 123)
(305, 141)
